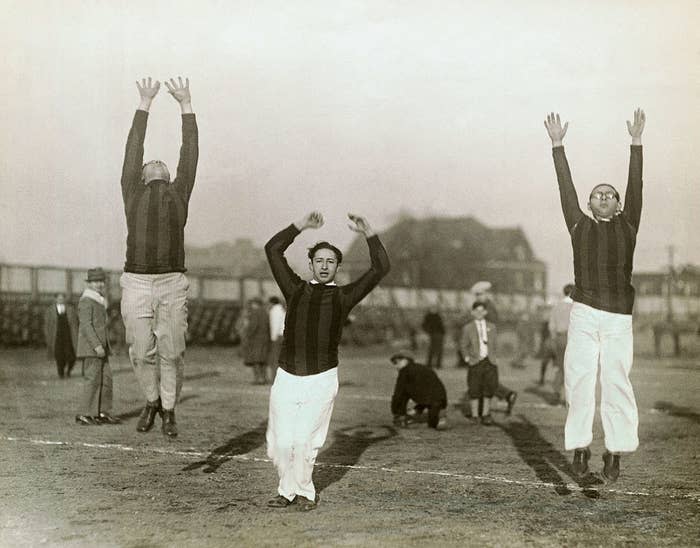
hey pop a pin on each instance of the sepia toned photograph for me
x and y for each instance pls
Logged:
(364, 273)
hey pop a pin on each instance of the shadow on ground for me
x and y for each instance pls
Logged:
(547, 396)
(547, 463)
(346, 450)
(240, 445)
(676, 411)
(136, 412)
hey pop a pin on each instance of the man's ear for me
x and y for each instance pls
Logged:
(311, 266)
(588, 206)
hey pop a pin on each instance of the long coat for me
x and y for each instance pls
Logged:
(256, 338)
(50, 322)
(93, 328)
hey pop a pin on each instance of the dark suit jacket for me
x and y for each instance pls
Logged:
(418, 383)
(93, 328)
(50, 321)
(469, 342)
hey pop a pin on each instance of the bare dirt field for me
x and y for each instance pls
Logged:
(505, 485)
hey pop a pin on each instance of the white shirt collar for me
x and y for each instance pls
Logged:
(316, 282)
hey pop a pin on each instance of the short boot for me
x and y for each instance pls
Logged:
(580, 463)
(148, 416)
(611, 467)
(169, 426)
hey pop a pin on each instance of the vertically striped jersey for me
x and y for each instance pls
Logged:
(603, 250)
(317, 312)
(156, 213)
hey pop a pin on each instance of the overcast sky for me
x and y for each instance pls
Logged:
(370, 106)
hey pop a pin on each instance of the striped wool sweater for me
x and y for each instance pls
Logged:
(317, 312)
(603, 251)
(156, 213)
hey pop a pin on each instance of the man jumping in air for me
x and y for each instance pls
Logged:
(154, 286)
(600, 327)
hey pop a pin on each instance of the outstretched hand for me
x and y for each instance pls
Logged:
(360, 225)
(147, 90)
(181, 93)
(310, 220)
(637, 127)
(555, 130)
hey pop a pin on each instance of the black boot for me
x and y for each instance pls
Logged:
(148, 416)
(169, 426)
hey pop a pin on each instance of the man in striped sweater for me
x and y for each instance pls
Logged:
(306, 384)
(154, 286)
(600, 326)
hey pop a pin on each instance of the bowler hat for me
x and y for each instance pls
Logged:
(96, 275)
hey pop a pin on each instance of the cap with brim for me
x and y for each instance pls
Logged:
(481, 287)
(404, 354)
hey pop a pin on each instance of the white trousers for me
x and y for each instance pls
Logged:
(598, 338)
(300, 412)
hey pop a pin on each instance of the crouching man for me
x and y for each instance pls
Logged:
(421, 384)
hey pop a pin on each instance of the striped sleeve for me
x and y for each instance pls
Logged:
(633, 194)
(567, 192)
(379, 267)
(189, 156)
(133, 156)
(286, 278)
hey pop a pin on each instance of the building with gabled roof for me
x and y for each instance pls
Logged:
(454, 253)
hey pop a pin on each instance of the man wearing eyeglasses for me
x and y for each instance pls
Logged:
(600, 326)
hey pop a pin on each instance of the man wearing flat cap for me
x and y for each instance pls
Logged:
(421, 384)
(93, 349)
(154, 286)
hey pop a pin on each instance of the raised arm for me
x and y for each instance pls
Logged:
(633, 195)
(285, 277)
(567, 192)
(379, 262)
(133, 157)
(189, 151)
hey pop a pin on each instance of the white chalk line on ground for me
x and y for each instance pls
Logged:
(343, 393)
(454, 475)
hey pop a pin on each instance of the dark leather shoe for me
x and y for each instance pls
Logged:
(305, 505)
(148, 416)
(84, 420)
(611, 467)
(106, 418)
(280, 502)
(580, 463)
(511, 402)
(169, 427)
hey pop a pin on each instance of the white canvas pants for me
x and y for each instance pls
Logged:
(300, 412)
(598, 338)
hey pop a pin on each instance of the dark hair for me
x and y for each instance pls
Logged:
(617, 194)
(325, 245)
(569, 289)
(274, 300)
(477, 304)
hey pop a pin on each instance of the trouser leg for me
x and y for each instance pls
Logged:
(618, 408)
(137, 308)
(91, 387)
(580, 369)
(170, 331)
